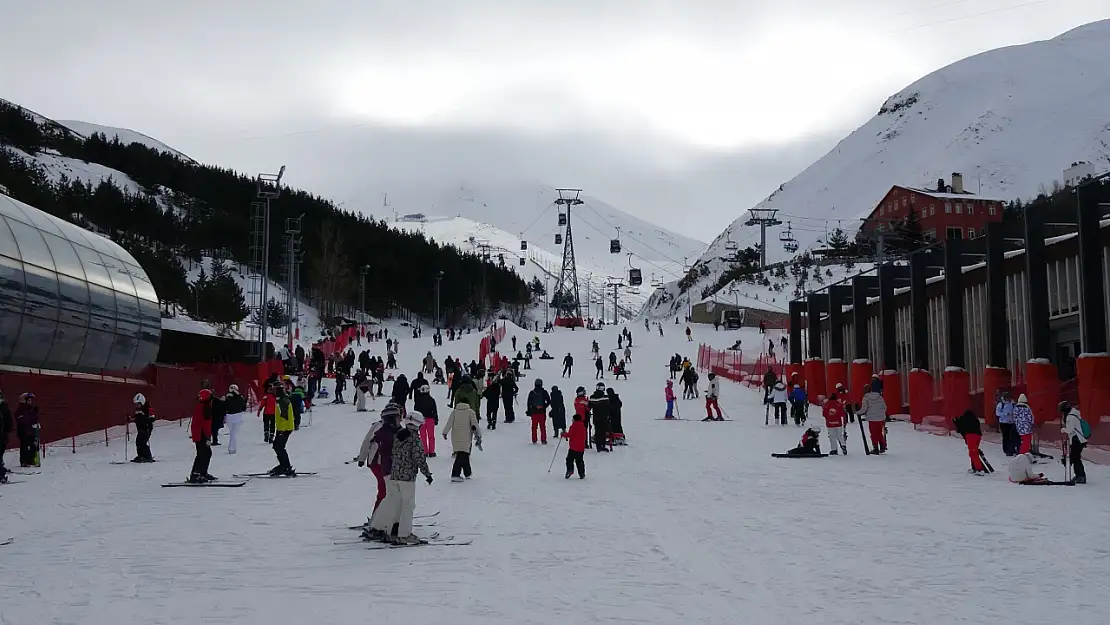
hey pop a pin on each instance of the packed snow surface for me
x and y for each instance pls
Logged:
(126, 136)
(690, 523)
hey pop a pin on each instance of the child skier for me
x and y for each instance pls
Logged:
(576, 447)
(833, 411)
(266, 408)
(144, 422)
(967, 425)
(377, 448)
(1023, 421)
(538, 402)
(668, 395)
(558, 412)
(810, 445)
(711, 395)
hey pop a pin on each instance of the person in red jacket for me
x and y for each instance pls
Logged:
(833, 412)
(576, 447)
(582, 407)
(268, 408)
(201, 430)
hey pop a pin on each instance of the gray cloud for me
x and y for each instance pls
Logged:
(684, 113)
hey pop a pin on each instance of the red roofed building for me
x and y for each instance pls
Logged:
(941, 211)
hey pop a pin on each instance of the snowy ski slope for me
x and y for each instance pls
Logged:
(125, 135)
(691, 523)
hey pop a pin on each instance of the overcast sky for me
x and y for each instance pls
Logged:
(684, 113)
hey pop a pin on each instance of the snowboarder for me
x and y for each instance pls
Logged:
(200, 429)
(833, 411)
(711, 404)
(1023, 422)
(283, 426)
(462, 426)
(234, 405)
(778, 402)
(558, 412)
(538, 402)
(600, 409)
(576, 447)
(400, 498)
(967, 426)
(668, 395)
(1073, 430)
(27, 430)
(425, 404)
(810, 445)
(144, 423)
(873, 410)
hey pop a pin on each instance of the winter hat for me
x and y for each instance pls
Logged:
(414, 419)
(539, 383)
(670, 382)
(234, 388)
(600, 387)
(1022, 399)
(839, 386)
(139, 398)
(712, 375)
(1063, 407)
(796, 386)
(580, 391)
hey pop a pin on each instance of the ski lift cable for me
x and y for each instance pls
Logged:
(599, 231)
(602, 217)
(537, 219)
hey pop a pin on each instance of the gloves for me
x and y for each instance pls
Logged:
(429, 479)
(361, 464)
(445, 436)
(478, 444)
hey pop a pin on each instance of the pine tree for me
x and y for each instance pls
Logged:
(838, 243)
(219, 298)
(909, 238)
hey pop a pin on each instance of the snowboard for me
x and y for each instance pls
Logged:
(205, 484)
(805, 456)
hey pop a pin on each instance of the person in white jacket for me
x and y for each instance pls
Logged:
(1021, 470)
(462, 426)
(778, 400)
(711, 395)
(1073, 429)
(873, 410)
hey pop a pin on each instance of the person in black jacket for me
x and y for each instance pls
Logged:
(615, 426)
(568, 364)
(509, 390)
(492, 393)
(144, 423)
(425, 404)
(599, 407)
(400, 390)
(7, 424)
(538, 402)
(218, 414)
(558, 412)
(967, 425)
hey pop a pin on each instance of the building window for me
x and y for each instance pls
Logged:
(990, 210)
(932, 209)
(913, 199)
(971, 233)
(948, 207)
(905, 201)
(970, 209)
(924, 213)
(956, 233)
(959, 209)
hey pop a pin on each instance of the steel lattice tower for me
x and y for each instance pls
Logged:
(565, 299)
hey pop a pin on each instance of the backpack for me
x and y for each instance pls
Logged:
(1085, 428)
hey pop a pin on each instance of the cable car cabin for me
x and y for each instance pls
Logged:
(615, 246)
(522, 261)
(635, 277)
(558, 239)
(524, 246)
(562, 219)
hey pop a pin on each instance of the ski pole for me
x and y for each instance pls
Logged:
(126, 435)
(556, 454)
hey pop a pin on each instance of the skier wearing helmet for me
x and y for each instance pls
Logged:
(144, 423)
(400, 498)
(599, 407)
(425, 404)
(810, 445)
(27, 429)
(668, 395)
(201, 430)
(538, 403)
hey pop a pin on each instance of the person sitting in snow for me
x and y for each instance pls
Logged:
(810, 445)
(1021, 470)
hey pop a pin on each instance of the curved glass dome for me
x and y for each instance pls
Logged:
(70, 299)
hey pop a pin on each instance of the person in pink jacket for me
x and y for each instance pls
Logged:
(668, 394)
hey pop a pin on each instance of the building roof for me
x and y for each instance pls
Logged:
(950, 196)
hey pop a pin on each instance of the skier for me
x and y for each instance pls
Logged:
(689, 383)
(615, 425)
(612, 360)
(283, 425)
(400, 498)
(1023, 422)
(621, 370)
(425, 404)
(798, 404)
(340, 386)
(234, 405)
(377, 448)
(1004, 410)
(466, 390)
(144, 423)
(1076, 439)
(769, 380)
(362, 385)
(689, 336)
(7, 424)
(400, 392)
(778, 402)
(600, 409)
(200, 430)
(493, 397)
(462, 425)
(509, 390)
(576, 447)
(833, 411)
(27, 429)
(711, 395)
(628, 353)
(600, 366)
(217, 415)
(810, 445)
(558, 412)
(873, 410)
(967, 425)
(1021, 470)
(538, 402)
(668, 395)
(266, 408)
(297, 396)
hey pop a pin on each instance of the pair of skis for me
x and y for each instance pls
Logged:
(242, 481)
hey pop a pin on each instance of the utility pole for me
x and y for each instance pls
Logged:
(362, 273)
(267, 189)
(439, 278)
(616, 283)
(484, 251)
(764, 218)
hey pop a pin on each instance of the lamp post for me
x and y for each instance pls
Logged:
(365, 269)
(439, 278)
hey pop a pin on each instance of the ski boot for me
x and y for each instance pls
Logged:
(276, 471)
(197, 478)
(844, 450)
(208, 477)
(456, 478)
(833, 452)
(1080, 480)
(567, 476)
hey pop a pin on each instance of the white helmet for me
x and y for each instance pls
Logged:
(234, 388)
(414, 419)
(139, 398)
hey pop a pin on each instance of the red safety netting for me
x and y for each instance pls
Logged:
(731, 364)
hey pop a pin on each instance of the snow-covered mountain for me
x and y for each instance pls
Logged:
(1010, 120)
(527, 211)
(125, 135)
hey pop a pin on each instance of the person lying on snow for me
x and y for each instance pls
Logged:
(1021, 471)
(810, 444)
